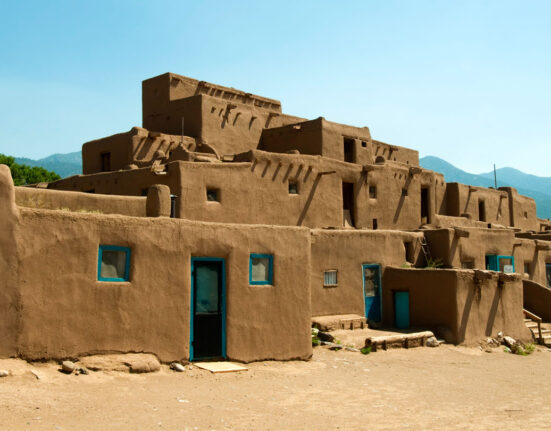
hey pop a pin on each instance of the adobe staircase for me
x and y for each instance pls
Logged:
(534, 323)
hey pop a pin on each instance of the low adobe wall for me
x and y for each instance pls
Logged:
(77, 201)
(65, 311)
(537, 299)
(346, 251)
(470, 305)
(9, 304)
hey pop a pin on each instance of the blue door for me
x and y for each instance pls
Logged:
(401, 309)
(208, 308)
(372, 291)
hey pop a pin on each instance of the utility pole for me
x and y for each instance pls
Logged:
(182, 131)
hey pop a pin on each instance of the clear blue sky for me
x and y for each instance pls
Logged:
(468, 81)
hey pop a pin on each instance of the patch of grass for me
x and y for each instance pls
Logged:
(434, 263)
(365, 350)
(315, 341)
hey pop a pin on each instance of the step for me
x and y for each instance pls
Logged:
(532, 325)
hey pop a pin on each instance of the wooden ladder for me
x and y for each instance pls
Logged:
(426, 250)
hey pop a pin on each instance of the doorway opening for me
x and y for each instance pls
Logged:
(349, 150)
(348, 204)
(481, 210)
(208, 308)
(425, 213)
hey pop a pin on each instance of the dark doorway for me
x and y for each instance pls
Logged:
(425, 213)
(349, 150)
(348, 204)
(208, 309)
(481, 210)
(105, 162)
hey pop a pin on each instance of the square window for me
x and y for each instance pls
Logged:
(261, 269)
(293, 188)
(113, 263)
(330, 278)
(364, 144)
(373, 192)
(213, 195)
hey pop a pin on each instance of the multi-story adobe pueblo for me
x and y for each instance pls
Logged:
(221, 227)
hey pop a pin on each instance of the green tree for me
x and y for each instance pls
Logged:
(23, 174)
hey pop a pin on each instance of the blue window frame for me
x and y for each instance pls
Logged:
(500, 263)
(261, 269)
(113, 263)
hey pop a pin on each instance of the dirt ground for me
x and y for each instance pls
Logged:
(419, 389)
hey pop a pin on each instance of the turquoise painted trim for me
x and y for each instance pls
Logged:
(401, 309)
(270, 269)
(378, 266)
(223, 299)
(493, 261)
(126, 265)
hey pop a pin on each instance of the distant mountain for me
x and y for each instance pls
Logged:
(538, 188)
(64, 165)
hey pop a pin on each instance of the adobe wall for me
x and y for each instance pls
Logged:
(76, 201)
(522, 211)
(537, 299)
(66, 312)
(454, 248)
(227, 119)
(534, 253)
(254, 189)
(9, 295)
(346, 251)
(395, 153)
(470, 306)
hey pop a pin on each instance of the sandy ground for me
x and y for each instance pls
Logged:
(419, 389)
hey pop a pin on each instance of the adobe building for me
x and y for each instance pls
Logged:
(221, 227)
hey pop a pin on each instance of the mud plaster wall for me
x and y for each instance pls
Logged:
(67, 312)
(523, 211)
(526, 252)
(454, 250)
(453, 299)
(347, 251)
(9, 295)
(76, 201)
(537, 299)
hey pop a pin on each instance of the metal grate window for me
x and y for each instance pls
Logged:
(330, 278)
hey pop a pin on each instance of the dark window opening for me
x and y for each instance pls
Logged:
(468, 264)
(373, 192)
(293, 188)
(105, 162)
(213, 195)
(404, 192)
(481, 210)
(172, 206)
(375, 224)
(364, 144)
(425, 205)
(90, 191)
(548, 274)
(144, 191)
(348, 203)
(527, 268)
(408, 246)
(349, 150)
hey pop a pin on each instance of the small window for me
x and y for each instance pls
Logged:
(525, 214)
(375, 224)
(364, 144)
(467, 264)
(213, 195)
(372, 192)
(527, 269)
(105, 162)
(330, 278)
(404, 192)
(261, 269)
(293, 188)
(173, 206)
(113, 263)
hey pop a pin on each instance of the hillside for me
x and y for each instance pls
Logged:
(63, 164)
(538, 188)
